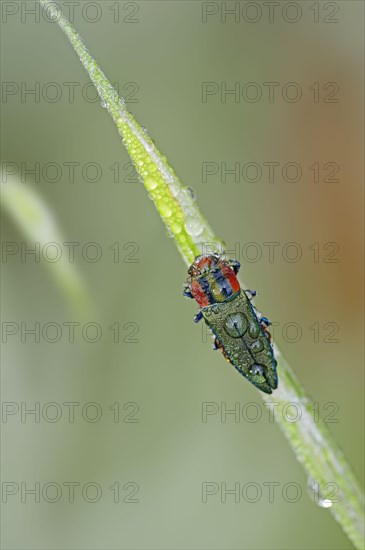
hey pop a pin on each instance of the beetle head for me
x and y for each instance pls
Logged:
(202, 265)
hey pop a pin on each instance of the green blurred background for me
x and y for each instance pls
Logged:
(168, 452)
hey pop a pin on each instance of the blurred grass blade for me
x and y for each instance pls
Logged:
(35, 219)
(311, 442)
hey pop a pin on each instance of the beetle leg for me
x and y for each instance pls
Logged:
(198, 317)
(264, 322)
(265, 331)
(187, 292)
(234, 265)
(250, 293)
(216, 344)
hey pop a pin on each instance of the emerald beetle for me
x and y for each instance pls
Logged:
(239, 330)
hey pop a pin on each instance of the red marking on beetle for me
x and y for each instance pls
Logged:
(230, 276)
(199, 294)
(198, 265)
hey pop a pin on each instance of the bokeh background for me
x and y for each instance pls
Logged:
(159, 452)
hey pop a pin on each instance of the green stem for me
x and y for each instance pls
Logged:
(309, 438)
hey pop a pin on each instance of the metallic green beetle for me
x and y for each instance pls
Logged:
(227, 310)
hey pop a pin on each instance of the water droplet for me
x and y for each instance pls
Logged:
(316, 495)
(235, 324)
(254, 330)
(176, 228)
(257, 370)
(257, 346)
(150, 183)
(325, 503)
(103, 104)
(165, 210)
(191, 193)
(193, 227)
(174, 189)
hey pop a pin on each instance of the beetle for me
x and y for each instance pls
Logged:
(240, 332)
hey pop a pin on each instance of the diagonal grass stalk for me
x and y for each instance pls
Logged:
(310, 440)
